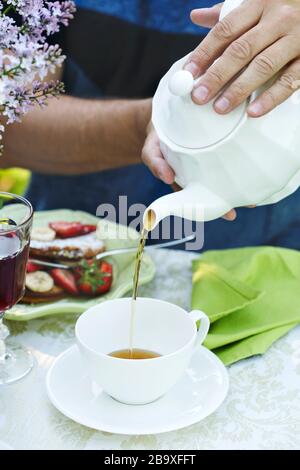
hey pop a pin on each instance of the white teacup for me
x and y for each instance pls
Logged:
(160, 327)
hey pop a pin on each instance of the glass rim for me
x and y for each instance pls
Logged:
(26, 203)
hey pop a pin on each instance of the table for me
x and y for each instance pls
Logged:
(261, 411)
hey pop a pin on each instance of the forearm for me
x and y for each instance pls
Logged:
(73, 136)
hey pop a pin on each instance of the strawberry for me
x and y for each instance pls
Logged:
(94, 278)
(88, 228)
(32, 268)
(71, 229)
(64, 279)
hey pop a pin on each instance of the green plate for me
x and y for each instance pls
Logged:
(114, 236)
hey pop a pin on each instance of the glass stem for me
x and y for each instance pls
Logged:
(4, 333)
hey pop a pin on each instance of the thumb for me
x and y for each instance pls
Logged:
(206, 17)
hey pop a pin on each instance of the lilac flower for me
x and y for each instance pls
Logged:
(25, 56)
(41, 18)
(21, 99)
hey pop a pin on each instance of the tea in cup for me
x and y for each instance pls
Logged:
(165, 338)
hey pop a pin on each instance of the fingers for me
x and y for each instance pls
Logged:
(153, 158)
(286, 84)
(206, 17)
(230, 28)
(234, 59)
(260, 70)
(230, 216)
(176, 187)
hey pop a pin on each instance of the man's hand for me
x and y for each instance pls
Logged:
(253, 43)
(154, 159)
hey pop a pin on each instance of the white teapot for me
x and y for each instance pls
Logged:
(222, 161)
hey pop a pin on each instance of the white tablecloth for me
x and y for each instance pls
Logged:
(261, 411)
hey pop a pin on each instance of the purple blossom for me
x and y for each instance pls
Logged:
(41, 18)
(21, 99)
(25, 54)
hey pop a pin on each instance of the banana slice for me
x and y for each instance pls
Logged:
(39, 281)
(43, 234)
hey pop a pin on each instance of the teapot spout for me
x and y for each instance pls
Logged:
(195, 202)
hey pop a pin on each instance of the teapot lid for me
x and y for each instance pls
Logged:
(185, 123)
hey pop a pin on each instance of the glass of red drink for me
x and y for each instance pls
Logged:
(15, 226)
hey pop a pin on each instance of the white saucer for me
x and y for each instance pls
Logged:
(198, 394)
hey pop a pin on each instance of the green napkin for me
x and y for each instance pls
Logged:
(251, 296)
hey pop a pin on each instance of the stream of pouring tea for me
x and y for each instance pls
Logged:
(138, 261)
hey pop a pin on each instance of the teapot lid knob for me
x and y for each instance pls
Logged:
(181, 83)
(176, 117)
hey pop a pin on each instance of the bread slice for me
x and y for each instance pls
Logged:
(68, 249)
